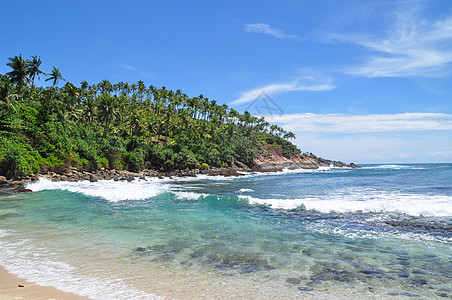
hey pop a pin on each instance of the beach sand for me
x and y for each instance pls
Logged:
(9, 289)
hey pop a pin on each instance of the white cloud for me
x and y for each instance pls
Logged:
(267, 29)
(338, 123)
(412, 47)
(252, 95)
(142, 73)
(445, 154)
(307, 80)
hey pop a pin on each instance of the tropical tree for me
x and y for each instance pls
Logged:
(20, 72)
(107, 110)
(56, 76)
(33, 69)
(8, 99)
(89, 112)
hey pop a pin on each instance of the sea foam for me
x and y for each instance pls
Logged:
(39, 266)
(376, 201)
(109, 190)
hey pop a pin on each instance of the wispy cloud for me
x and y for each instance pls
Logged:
(411, 47)
(309, 81)
(144, 74)
(445, 154)
(338, 123)
(267, 29)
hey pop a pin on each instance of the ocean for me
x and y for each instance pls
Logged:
(380, 232)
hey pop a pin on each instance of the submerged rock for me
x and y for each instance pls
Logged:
(418, 281)
(305, 288)
(246, 263)
(406, 294)
(21, 189)
(292, 280)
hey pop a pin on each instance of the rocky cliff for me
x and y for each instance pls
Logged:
(276, 163)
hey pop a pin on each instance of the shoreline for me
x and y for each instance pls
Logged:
(74, 174)
(10, 289)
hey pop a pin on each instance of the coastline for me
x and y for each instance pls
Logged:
(9, 289)
(271, 164)
(368, 274)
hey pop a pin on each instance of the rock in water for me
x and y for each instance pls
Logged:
(293, 280)
(305, 288)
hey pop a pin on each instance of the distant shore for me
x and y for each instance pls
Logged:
(270, 164)
(13, 287)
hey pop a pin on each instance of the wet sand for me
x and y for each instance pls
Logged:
(10, 289)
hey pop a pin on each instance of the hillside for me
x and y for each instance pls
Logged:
(128, 127)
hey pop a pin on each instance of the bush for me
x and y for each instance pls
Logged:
(202, 166)
(103, 162)
(118, 165)
(13, 165)
(134, 160)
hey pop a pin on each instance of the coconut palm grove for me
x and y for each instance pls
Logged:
(122, 126)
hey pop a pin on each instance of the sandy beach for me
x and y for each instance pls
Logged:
(10, 289)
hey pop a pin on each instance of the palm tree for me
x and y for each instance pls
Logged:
(19, 74)
(33, 69)
(8, 99)
(55, 75)
(107, 109)
(84, 85)
(89, 110)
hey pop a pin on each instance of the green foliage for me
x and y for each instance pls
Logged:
(134, 160)
(202, 166)
(121, 126)
(118, 164)
(103, 163)
(288, 149)
(13, 164)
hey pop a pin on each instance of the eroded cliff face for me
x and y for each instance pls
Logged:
(276, 163)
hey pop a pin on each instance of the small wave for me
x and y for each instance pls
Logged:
(410, 204)
(39, 266)
(393, 167)
(323, 227)
(188, 195)
(109, 190)
(245, 190)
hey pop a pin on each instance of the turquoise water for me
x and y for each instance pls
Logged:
(384, 231)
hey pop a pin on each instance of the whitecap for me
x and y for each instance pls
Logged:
(109, 190)
(188, 195)
(366, 201)
(245, 190)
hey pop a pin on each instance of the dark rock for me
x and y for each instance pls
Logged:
(164, 258)
(443, 295)
(407, 294)
(292, 280)
(305, 288)
(400, 274)
(418, 281)
(21, 189)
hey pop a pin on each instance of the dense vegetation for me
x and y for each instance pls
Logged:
(121, 126)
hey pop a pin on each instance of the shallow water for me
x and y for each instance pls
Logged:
(378, 232)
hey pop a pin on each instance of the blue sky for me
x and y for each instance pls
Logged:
(362, 81)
